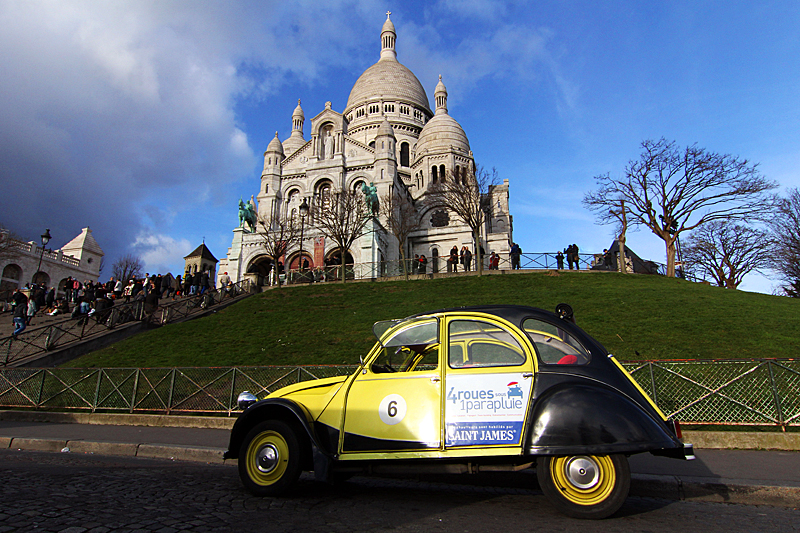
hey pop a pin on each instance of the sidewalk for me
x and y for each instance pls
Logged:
(751, 477)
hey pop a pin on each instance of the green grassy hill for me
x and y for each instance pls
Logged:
(331, 323)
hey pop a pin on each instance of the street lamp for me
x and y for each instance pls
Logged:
(45, 239)
(303, 214)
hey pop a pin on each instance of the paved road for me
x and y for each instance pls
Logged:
(72, 493)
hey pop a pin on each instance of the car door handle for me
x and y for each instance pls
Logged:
(435, 379)
(527, 375)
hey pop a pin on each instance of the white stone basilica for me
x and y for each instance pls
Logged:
(387, 135)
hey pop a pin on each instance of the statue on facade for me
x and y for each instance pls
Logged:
(371, 197)
(247, 215)
(329, 146)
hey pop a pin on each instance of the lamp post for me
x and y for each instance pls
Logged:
(45, 239)
(303, 214)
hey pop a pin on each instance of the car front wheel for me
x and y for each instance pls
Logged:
(269, 459)
(585, 486)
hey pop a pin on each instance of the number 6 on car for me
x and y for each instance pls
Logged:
(461, 391)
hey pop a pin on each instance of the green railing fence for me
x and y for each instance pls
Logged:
(742, 392)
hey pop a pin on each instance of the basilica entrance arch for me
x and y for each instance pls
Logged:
(261, 266)
(334, 261)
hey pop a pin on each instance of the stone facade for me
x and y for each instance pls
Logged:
(80, 258)
(388, 136)
(201, 260)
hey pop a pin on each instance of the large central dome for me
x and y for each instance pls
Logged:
(387, 79)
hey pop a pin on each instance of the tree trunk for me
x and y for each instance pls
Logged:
(477, 240)
(403, 261)
(670, 241)
(621, 257)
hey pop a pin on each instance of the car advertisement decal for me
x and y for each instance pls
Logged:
(485, 409)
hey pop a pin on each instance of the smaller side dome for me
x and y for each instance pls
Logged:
(275, 145)
(442, 133)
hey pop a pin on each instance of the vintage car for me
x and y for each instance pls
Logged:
(465, 390)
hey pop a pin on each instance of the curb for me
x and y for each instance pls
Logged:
(718, 491)
(148, 450)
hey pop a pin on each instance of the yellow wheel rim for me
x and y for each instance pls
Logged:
(584, 479)
(267, 457)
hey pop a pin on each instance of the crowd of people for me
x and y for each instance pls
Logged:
(95, 299)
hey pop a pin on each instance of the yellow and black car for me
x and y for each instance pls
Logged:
(461, 391)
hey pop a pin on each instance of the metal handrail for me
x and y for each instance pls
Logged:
(37, 341)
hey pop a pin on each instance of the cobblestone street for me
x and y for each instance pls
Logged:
(83, 493)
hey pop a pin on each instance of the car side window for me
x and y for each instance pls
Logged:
(554, 345)
(475, 343)
(413, 349)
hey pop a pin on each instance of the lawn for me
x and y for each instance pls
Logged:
(634, 316)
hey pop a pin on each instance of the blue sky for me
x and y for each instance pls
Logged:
(147, 121)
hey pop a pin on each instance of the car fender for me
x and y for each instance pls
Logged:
(270, 408)
(577, 418)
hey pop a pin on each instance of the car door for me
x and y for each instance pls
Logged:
(489, 379)
(394, 404)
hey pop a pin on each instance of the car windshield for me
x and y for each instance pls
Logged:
(415, 331)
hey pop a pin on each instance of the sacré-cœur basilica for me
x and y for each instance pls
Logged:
(387, 136)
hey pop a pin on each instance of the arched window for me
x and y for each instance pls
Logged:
(434, 174)
(442, 172)
(323, 195)
(372, 145)
(404, 153)
(457, 175)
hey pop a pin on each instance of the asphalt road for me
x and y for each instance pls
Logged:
(71, 493)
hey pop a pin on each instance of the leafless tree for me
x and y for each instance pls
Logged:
(278, 234)
(8, 242)
(671, 191)
(786, 233)
(726, 252)
(342, 218)
(468, 194)
(127, 267)
(398, 210)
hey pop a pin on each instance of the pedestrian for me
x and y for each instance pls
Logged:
(20, 316)
(515, 254)
(187, 284)
(560, 260)
(467, 260)
(423, 264)
(224, 280)
(452, 262)
(118, 287)
(151, 299)
(576, 256)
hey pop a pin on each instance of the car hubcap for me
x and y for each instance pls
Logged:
(267, 458)
(582, 472)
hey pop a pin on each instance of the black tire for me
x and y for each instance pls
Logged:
(269, 459)
(585, 486)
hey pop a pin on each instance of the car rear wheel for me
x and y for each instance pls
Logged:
(269, 459)
(585, 486)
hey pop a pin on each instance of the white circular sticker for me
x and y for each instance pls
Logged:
(392, 409)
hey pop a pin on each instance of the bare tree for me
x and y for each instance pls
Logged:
(468, 194)
(342, 218)
(671, 191)
(127, 267)
(786, 233)
(397, 208)
(727, 252)
(8, 242)
(278, 234)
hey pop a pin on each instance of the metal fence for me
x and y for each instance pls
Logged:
(36, 341)
(746, 392)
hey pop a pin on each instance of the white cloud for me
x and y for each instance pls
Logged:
(160, 252)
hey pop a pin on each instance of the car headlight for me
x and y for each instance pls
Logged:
(245, 400)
